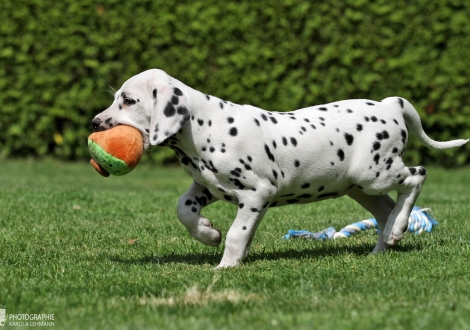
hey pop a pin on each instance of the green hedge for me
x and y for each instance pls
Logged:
(61, 60)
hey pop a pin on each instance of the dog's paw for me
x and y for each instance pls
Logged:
(380, 247)
(224, 264)
(209, 236)
(394, 238)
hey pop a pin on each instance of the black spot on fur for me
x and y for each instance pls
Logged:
(236, 172)
(376, 159)
(359, 127)
(233, 131)
(382, 136)
(230, 120)
(274, 144)
(268, 152)
(366, 118)
(293, 141)
(154, 92)
(332, 194)
(221, 105)
(340, 154)
(376, 145)
(254, 209)
(394, 150)
(389, 163)
(403, 136)
(177, 91)
(296, 163)
(188, 202)
(292, 201)
(400, 101)
(238, 183)
(208, 97)
(412, 170)
(349, 138)
(275, 174)
(373, 118)
(395, 121)
(284, 141)
(241, 205)
(264, 117)
(305, 186)
(227, 198)
(422, 171)
(304, 196)
(200, 122)
(174, 99)
(169, 110)
(194, 209)
(257, 122)
(323, 109)
(183, 111)
(321, 188)
(370, 103)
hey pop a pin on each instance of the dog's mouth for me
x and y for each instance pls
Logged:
(98, 126)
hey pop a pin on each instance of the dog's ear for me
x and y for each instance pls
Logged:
(170, 112)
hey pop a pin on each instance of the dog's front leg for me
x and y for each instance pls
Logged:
(242, 231)
(189, 213)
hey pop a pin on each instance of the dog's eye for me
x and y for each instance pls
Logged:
(128, 101)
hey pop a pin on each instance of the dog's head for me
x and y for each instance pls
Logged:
(150, 103)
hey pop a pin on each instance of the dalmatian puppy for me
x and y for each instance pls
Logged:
(257, 159)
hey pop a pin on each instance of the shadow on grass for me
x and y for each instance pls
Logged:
(214, 258)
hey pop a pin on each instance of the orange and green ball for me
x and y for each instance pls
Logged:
(115, 151)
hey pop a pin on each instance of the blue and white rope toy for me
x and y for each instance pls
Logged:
(420, 220)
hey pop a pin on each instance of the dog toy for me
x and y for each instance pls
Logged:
(115, 151)
(420, 220)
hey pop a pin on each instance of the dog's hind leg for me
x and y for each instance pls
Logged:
(412, 179)
(380, 206)
(189, 213)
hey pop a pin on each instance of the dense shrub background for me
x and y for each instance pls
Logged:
(59, 59)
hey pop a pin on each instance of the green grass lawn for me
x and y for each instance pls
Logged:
(110, 253)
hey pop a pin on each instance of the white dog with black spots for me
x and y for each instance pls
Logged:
(257, 159)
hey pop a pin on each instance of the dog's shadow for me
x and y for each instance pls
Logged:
(213, 258)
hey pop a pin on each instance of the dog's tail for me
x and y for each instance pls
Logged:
(413, 122)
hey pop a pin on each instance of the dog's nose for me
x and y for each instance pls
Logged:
(96, 122)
